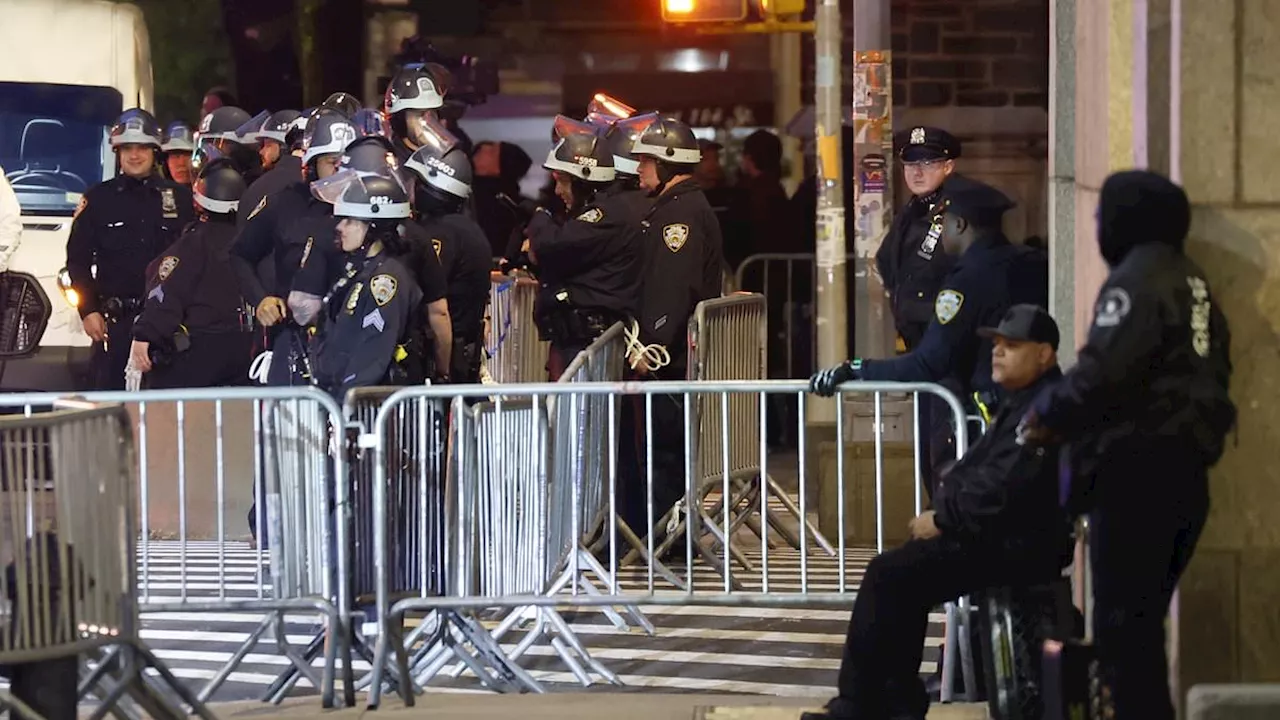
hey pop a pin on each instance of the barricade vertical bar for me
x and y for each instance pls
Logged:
(613, 494)
(182, 498)
(764, 495)
(575, 523)
(879, 445)
(648, 473)
(803, 444)
(917, 457)
(840, 489)
(691, 510)
(145, 491)
(222, 502)
(266, 437)
(724, 460)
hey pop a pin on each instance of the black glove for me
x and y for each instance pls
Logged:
(825, 382)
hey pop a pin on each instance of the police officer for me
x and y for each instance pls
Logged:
(285, 169)
(682, 256)
(1146, 409)
(431, 342)
(191, 332)
(270, 131)
(988, 277)
(177, 145)
(369, 311)
(911, 263)
(343, 102)
(996, 522)
(443, 184)
(290, 225)
(222, 129)
(120, 226)
(413, 91)
(588, 267)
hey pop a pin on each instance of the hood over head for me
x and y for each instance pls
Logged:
(1138, 207)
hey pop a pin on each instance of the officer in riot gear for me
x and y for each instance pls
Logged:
(443, 176)
(589, 266)
(281, 137)
(177, 146)
(682, 256)
(290, 225)
(413, 91)
(120, 226)
(192, 330)
(223, 129)
(370, 311)
(432, 341)
(621, 138)
(270, 131)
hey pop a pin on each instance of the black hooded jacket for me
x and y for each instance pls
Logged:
(1151, 382)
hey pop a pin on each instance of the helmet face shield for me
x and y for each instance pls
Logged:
(605, 109)
(369, 196)
(250, 131)
(330, 189)
(564, 126)
(371, 122)
(427, 131)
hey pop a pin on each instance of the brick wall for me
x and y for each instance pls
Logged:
(962, 53)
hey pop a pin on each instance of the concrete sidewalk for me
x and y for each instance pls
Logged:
(568, 706)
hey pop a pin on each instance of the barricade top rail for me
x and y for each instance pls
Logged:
(62, 414)
(179, 395)
(615, 331)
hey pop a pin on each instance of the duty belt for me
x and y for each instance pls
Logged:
(115, 308)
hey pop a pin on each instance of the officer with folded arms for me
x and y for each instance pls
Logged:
(192, 331)
(589, 266)
(990, 275)
(120, 226)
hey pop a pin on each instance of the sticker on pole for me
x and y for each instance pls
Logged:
(830, 239)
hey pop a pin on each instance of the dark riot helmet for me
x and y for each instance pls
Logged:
(369, 154)
(208, 153)
(224, 123)
(136, 127)
(218, 187)
(343, 102)
(328, 132)
(621, 138)
(668, 140)
(269, 126)
(366, 196)
(441, 164)
(414, 87)
(178, 138)
(584, 156)
(297, 129)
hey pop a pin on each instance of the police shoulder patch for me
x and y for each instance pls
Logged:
(675, 236)
(947, 305)
(167, 264)
(594, 215)
(354, 298)
(258, 208)
(1113, 306)
(383, 288)
(437, 245)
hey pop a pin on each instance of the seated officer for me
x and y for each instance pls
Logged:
(996, 522)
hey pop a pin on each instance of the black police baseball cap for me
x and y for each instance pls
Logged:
(977, 202)
(927, 143)
(1027, 323)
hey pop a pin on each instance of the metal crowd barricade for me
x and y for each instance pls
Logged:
(727, 342)
(514, 352)
(294, 434)
(520, 409)
(519, 462)
(67, 535)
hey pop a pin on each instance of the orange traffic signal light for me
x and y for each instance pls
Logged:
(704, 10)
(772, 8)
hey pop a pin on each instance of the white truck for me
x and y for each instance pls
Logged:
(68, 68)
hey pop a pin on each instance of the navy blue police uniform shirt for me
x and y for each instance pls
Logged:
(288, 225)
(991, 276)
(323, 263)
(365, 320)
(192, 285)
(121, 225)
(462, 250)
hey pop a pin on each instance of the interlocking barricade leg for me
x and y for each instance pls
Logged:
(200, 454)
(523, 513)
(67, 540)
(515, 354)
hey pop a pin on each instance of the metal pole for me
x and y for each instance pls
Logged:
(873, 174)
(833, 344)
